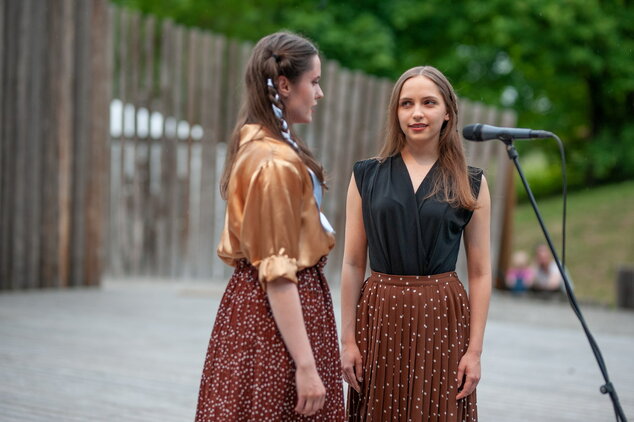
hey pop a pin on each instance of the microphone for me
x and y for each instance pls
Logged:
(479, 132)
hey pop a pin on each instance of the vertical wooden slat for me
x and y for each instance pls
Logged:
(8, 130)
(170, 77)
(35, 137)
(113, 262)
(486, 150)
(81, 146)
(98, 158)
(50, 183)
(119, 231)
(231, 87)
(2, 64)
(175, 194)
(201, 74)
(3, 146)
(503, 207)
(348, 139)
(64, 135)
(3, 143)
(18, 260)
(475, 113)
(147, 165)
(325, 113)
(386, 92)
(189, 209)
(161, 105)
(202, 223)
(111, 202)
(333, 108)
(366, 124)
(157, 151)
(339, 155)
(134, 177)
(212, 100)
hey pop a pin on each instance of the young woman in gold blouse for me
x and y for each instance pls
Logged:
(273, 353)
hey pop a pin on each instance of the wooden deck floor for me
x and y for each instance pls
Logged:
(133, 351)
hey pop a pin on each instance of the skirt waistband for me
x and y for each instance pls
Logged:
(412, 280)
(243, 263)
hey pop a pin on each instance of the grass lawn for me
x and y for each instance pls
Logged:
(600, 236)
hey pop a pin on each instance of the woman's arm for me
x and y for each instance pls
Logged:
(287, 312)
(477, 247)
(352, 276)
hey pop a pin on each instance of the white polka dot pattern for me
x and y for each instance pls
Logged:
(412, 332)
(248, 373)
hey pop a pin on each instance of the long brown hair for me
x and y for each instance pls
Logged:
(279, 54)
(452, 179)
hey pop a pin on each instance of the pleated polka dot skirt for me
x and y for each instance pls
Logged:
(248, 373)
(412, 332)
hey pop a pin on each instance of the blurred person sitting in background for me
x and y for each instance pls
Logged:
(521, 275)
(547, 276)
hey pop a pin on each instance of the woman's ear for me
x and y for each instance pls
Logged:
(283, 86)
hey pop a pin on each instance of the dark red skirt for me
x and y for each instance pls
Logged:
(249, 374)
(412, 332)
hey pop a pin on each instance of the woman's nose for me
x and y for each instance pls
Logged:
(319, 94)
(418, 112)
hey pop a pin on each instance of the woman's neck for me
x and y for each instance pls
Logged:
(422, 154)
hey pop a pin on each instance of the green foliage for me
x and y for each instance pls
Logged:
(563, 65)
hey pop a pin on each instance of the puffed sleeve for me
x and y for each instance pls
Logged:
(272, 220)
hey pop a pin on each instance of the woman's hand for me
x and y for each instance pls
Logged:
(468, 374)
(311, 393)
(351, 364)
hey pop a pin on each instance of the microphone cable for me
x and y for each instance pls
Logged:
(608, 387)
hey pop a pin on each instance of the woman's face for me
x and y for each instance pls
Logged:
(421, 110)
(302, 95)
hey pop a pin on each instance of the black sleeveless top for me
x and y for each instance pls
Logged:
(408, 234)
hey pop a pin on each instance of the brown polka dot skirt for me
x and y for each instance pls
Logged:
(412, 332)
(249, 374)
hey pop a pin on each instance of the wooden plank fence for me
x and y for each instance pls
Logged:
(173, 96)
(54, 93)
(168, 225)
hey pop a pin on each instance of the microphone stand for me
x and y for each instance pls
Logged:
(608, 387)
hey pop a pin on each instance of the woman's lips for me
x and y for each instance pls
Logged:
(417, 126)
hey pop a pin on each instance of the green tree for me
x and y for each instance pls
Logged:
(563, 65)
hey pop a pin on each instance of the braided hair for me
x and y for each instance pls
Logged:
(278, 109)
(279, 54)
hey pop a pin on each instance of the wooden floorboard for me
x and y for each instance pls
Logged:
(133, 350)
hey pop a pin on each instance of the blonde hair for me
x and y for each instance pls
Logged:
(452, 179)
(279, 54)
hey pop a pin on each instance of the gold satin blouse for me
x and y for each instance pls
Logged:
(272, 218)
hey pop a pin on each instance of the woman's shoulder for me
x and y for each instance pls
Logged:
(257, 144)
(261, 154)
(363, 169)
(475, 172)
(365, 165)
(475, 179)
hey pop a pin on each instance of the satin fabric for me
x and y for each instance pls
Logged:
(272, 219)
